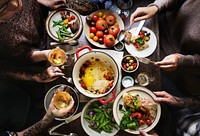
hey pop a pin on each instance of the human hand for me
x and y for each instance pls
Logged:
(49, 75)
(151, 133)
(167, 98)
(169, 63)
(53, 4)
(60, 112)
(143, 13)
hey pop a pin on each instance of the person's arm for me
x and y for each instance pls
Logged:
(172, 61)
(37, 55)
(53, 4)
(52, 112)
(49, 75)
(143, 13)
(167, 4)
(191, 102)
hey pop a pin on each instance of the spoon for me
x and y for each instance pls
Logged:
(69, 79)
(71, 43)
(121, 34)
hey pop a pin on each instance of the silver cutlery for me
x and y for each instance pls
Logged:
(51, 130)
(145, 60)
(137, 31)
(71, 43)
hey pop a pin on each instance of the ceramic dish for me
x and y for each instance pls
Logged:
(56, 16)
(49, 96)
(144, 93)
(119, 46)
(146, 52)
(129, 63)
(87, 28)
(127, 81)
(86, 127)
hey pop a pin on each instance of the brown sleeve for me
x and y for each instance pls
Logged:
(189, 60)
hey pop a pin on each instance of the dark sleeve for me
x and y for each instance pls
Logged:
(190, 60)
(168, 4)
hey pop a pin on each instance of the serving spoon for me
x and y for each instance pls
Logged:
(121, 34)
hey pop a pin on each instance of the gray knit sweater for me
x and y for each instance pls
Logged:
(180, 30)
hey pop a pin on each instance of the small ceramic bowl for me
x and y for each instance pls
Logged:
(127, 81)
(129, 63)
(119, 46)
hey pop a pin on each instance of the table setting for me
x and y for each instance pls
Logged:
(83, 53)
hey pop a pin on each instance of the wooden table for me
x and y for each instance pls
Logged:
(152, 24)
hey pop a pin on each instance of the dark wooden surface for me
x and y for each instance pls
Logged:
(152, 24)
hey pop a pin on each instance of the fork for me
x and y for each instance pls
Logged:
(145, 60)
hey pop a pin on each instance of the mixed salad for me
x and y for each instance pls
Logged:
(137, 112)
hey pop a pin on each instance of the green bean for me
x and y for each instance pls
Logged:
(55, 23)
(103, 124)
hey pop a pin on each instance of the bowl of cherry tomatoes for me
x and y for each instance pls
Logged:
(102, 27)
(129, 63)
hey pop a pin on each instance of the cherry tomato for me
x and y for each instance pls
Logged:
(99, 33)
(91, 35)
(72, 17)
(100, 14)
(93, 29)
(148, 122)
(101, 24)
(141, 122)
(95, 38)
(139, 115)
(95, 17)
(100, 40)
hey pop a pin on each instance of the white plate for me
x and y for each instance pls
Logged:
(49, 96)
(88, 130)
(55, 16)
(146, 52)
(105, 12)
(144, 93)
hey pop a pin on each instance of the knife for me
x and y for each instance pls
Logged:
(137, 31)
(68, 120)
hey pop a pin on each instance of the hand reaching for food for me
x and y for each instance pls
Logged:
(169, 63)
(143, 13)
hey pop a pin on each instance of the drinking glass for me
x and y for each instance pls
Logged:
(144, 79)
(124, 6)
(57, 57)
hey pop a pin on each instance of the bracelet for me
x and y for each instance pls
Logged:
(12, 133)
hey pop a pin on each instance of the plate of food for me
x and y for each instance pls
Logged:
(64, 24)
(97, 119)
(62, 93)
(142, 45)
(102, 27)
(134, 109)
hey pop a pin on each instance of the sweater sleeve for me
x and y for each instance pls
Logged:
(190, 60)
(167, 4)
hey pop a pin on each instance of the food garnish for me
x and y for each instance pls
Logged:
(100, 117)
